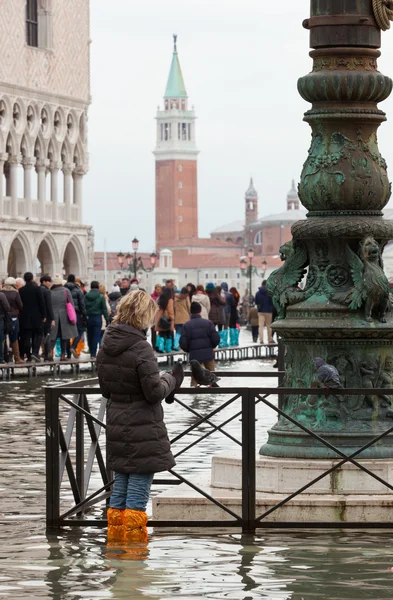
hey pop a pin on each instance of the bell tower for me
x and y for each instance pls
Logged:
(176, 163)
(251, 198)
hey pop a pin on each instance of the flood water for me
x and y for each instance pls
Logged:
(76, 563)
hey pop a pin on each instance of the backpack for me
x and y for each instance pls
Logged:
(113, 304)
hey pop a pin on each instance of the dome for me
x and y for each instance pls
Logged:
(251, 192)
(292, 194)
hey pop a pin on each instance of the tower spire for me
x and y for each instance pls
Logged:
(175, 87)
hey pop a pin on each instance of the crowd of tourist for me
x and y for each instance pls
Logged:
(59, 317)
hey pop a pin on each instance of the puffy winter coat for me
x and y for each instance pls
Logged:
(182, 309)
(14, 300)
(96, 304)
(216, 305)
(204, 301)
(263, 301)
(199, 337)
(78, 298)
(137, 439)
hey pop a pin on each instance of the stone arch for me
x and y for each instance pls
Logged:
(18, 260)
(73, 257)
(53, 150)
(66, 152)
(6, 119)
(46, 256)
(20, 126)
(39, 146)
(26, 147)
(46, 120)
(11, 145)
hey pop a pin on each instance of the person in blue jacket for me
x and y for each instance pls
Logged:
(265, 312)
(199, 338)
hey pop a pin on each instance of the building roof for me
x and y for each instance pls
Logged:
(200, 243)
(211, 261)
(112, 263)
(231, 227)
(175, 87)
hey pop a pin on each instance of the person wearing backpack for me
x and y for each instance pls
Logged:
(114, 298)
(96, 309)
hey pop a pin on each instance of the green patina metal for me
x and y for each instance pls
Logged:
(175, 87)
(343, 313)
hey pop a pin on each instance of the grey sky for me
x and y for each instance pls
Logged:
(240, 62)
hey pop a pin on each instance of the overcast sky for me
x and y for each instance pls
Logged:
(240, 63)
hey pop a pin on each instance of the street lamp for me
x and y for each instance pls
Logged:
(135, 263)
(249, 270)
(120, 259)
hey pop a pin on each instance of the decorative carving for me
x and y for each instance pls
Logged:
(371, 286)
(282, 284)
(337, 275)
(350, 63)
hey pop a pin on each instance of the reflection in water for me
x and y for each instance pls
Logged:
(77, 564)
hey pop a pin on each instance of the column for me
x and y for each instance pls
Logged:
(67, 172)
(78, 189)
(28, 163)
(3, 158)
(13, 161)
(41, 167)
(54, 189)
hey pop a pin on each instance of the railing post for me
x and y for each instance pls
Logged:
(80, 448)
(281, 368)
(248, 461)
(52, 459)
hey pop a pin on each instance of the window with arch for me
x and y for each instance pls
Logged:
(226, 276)
(251, 205)
(180, 219)
(180, 202)
(32, 23)
(214, 275)
(237, 275)
(180, 168)
(183, 131)
(258, 239)
(180, 185)
(166, 132)
(206, 275)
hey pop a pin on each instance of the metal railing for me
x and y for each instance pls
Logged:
(65, 451)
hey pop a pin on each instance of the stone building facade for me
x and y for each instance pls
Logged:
(44, 99)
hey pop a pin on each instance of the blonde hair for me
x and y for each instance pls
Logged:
(102, 289)
(137, 309)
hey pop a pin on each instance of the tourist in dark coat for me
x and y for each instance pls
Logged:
(96, 309)
(11, 293)
(137, 440)
(199, 338)
(32, 318)
(46, 284)
(217, 304)
(4, 309)
(265, 312)
(63, 329)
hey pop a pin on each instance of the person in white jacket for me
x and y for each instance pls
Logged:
(203, 299)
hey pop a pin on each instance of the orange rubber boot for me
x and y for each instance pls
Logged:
(115, 524)
(135, 522)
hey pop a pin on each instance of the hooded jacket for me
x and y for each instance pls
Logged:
(96, 304)
(263, 300)
(137, 439)
(199, 337)
(77, 297)
(229, 299)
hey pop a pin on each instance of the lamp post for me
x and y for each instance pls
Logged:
(249, 270)
(134, 263)
(344, 186)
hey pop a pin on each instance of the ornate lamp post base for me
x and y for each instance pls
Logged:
(343, 315)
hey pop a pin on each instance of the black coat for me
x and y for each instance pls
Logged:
(77, 297)
(4, 305)
(48, 305)
(34, 312)
(137, 439)
(199, 337)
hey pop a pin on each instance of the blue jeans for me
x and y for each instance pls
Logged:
(94, 324)
(131, 491)
(15, 330)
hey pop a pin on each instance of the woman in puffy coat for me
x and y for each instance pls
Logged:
(203, 299)
(137, 440)
(217, 304)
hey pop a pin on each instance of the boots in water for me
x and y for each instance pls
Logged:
(168, 345)
(116, 528)
(135, 529)
(15, 351)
